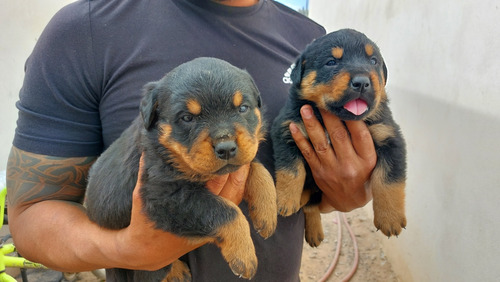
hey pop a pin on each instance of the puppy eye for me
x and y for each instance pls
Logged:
(187, 118)
(373, 61)
(331, 63)
(243, 108)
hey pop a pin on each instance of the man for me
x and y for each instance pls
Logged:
(82, 89)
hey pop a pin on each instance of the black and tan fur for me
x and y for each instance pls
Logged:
(334, 70)
(201, 120)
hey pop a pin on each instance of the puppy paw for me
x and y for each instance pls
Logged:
(314, 237)
(236, 245)
(239, 252)
(264, 223)
(260, 195)
(289, 186)
(244, 268)
(390, 222)
(314, 229)
(388, 205)
(287, 206)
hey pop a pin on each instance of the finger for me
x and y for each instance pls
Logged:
(215, 185)
(238, 178)
(234, 188)
(362, 140)
(137, 204)
(138, 185)
(339, 136)
(304, 145)
(316, 133)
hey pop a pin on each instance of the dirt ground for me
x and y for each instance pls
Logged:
(372, 263)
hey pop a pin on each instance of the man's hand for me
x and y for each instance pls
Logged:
(230, 186)
(342, 167)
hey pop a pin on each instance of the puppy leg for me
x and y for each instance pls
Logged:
(290, 169)
(388, 203)
(305, 197)
(195, 213)
(179, 272)
(314, 229)
(260, 194)
(235, 242)
(289, 186)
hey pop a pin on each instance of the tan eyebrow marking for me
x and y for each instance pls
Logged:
(193, 106)
(237, 98)
(337, 52)
(369, 49)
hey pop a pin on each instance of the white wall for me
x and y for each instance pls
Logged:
(444, 84)
(21, 22)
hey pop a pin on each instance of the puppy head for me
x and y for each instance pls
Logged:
(342, 72)
(208, 117)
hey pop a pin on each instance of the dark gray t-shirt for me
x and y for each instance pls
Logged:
(84, 78)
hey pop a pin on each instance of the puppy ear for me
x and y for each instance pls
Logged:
(255, 90)
(149, 104)
(257, 94)
(385, 73)
(297, 72)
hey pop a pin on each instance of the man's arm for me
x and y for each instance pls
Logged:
(49, 224)
(46, 217)
(341, 168)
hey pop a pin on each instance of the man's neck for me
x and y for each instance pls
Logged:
(237, 3)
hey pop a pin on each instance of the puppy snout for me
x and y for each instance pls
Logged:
(225, 150)
(360, 83)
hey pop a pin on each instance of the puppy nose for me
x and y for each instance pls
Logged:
(360, 83)
(225, 150)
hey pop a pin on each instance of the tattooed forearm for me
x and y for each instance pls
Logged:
(32, 178)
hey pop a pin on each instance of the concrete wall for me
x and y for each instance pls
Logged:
(444, 85)
(21, 22)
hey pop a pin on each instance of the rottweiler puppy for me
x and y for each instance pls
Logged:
(344, 73)
(201, 120)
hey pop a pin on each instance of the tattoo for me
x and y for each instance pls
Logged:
(33, 178)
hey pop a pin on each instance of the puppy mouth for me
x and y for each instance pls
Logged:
(354, 109)
(357, 106)
(228, 168)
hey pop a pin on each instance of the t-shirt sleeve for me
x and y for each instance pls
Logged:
(59, 100)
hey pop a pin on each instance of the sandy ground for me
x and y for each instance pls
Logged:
(372, 265)
(372, 262)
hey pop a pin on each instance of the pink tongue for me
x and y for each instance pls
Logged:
(356, 106)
